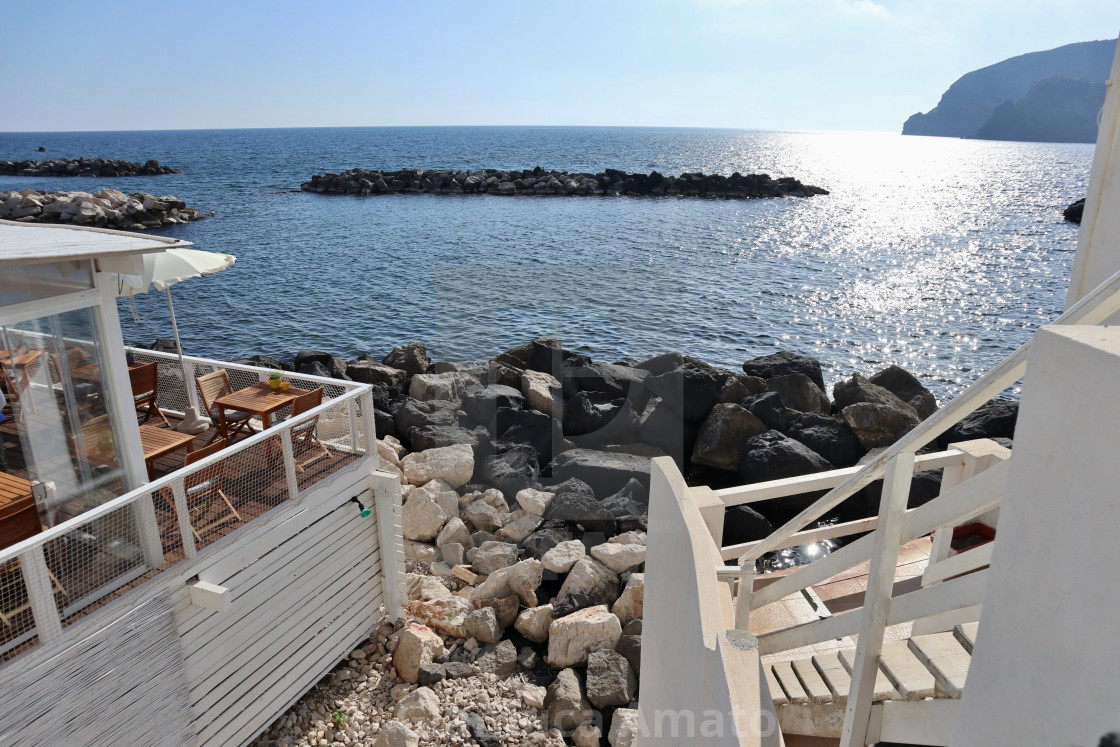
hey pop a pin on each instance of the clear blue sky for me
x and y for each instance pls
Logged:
(763, 64)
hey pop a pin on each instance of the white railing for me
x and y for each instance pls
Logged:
(72, 568)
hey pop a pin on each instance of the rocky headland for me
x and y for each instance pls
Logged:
(107, 167)
(105, 208)
(1075, 210)
(537, 181)
(526, 489)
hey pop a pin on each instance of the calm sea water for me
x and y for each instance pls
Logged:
(939, 255)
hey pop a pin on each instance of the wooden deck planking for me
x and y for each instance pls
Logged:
(966, 635)
(811, 681)
(945, 658)
(794, 691)
(908, 675)
(834, 674)
(777, 694)
(883, 688)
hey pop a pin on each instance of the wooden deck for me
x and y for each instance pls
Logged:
(93, 574)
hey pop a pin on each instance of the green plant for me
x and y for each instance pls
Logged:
(274, 376)
(339, 718)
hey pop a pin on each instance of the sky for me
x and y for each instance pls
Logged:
(754, 64)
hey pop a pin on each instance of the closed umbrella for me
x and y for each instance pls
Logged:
(163, 270)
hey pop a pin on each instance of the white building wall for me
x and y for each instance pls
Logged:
(1045, 669)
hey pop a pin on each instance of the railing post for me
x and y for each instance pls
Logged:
(355, 435)
(182, 513)
(370, 422)
(289, 463)
(148, 529)
(876, 601)
(746, 594)
(37, 582)
(390, 538)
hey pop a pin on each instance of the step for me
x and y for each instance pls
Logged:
(966, 634)
(883, 689)
(908, 675)
(795, 693)
(834, 674)
(811, 681)
(945, 658)
(777, 694)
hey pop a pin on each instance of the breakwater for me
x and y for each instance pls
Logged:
(105, 167)
(537, 181)
(105, 208)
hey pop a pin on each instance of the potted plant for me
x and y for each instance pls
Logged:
(274, 380)
(130, 356)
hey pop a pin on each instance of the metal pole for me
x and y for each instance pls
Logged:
(192, 420)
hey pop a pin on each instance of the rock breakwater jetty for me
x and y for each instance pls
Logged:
(105, 208)
(107, 167)
(540, 182)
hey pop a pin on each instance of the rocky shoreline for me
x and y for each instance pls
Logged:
(538, 181)
(105, 208)
(525, 487)
(106, 167)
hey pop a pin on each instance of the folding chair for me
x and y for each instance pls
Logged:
(212, 387)
(16, 526)
(305, 436)
(204, 491)
(145, 390)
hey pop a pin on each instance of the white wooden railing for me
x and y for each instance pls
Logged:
(110, 546)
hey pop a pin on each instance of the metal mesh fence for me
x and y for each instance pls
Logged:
(16, 618)
(325, 442)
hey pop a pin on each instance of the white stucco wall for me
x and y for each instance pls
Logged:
(1046, 669)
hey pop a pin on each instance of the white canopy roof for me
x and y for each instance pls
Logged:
(30, 243)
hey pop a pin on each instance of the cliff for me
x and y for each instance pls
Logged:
(1055, 110)
(966, 108)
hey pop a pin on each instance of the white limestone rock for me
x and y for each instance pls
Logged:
(425, 588)
(388, 453)
(445, 616)
(446, 386)
(587, 735)
(534, 622)
(561, 558)
(573, 637)
(453, 464)
(422, 518)
(493, 556)
(482, 625)
(419, 705)
(619, 558)
(542, 391)
(443, 494)
(519, 529)
(629, 604)
(454, 531)
(396, 734)
(534, 501)
(533, 695)
(624, 728)
(420, 551)
(416, 645)
(517, 579)
(633, 537)
(483, 517)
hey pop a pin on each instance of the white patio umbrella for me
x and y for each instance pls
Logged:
(163, 270)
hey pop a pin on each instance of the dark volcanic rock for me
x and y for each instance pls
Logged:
(104, 167)
(512, 470)
(859, 389)
(1074, 212)
(663, 427)
(996, 419)
(600, 419)
(828, 436)
(632, 500)
(438, 436)
(531, 428)
(783, 363)
(481, 403)
(368, 372)
(771, 409)
(615, 381)
(904, 385)
(719, 442)
(878, 425)
(691, 389)
(609, 679)
(412, 358)
(545, 538)
(743, 524)
(304, 357)
(604, 471)
(799, 392)
(314, 368)
(630, 646)
(741, 386)
(417, 414)
(662, 363)
(574, 502)
(772, 456)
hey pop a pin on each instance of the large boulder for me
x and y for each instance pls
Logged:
(631, 602)
(722, 434)
(566, 703)
(740, 386)
(662, 427)
(421, 517)
(904, 385)
(563, 556)
(543, 393)
(619, 557)
(593, 579)
(799, 392)
(617, 382)
(412, 358)
(481, 404)
(545, 538)
(773, 456)
(574, 502)
(828, 436)
(598, 415)
(878, 425)
(533, 623)
(771, 409)
(518, 579)
(396, 734)
(529, 428)
(420, 705)
(453, 464)
(609, 679)
(625, 728)
(996, 419)
(412, 414)
(368, 372)
(690, 390)
(743, 524)
(512, 470)
(783, 363)
(445, 386)
(444, 616)
(660, 364)
(631, 500)
(858, 389)
(606, 472)
(440, 436)
(416, 645)
(491, 556)
(571, 639)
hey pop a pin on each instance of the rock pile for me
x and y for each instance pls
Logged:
(540, 182)
(105, 208)
(106, 167)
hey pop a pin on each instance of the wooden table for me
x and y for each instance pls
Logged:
(15, 493)
(258, 399)
(161, 442)
(13, 359)
(91, 372)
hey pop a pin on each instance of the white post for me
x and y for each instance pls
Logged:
(37, 581)
(182, 513)
(370, 422)
(289, 463)
(387, 500)
(355, 434)
(148, 529)
(877, 600)
(746, 594)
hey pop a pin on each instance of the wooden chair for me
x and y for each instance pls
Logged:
(204, 491)
(212, 386)
(145, 390)
(16, 526)
(305, 436)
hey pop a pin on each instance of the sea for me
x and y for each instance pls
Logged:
(939, 255)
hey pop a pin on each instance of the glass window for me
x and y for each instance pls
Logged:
(59, 432)
(24, 283)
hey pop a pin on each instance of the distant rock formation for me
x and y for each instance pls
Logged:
(1040, 93)
(1074, 212)
(84, 167)
(104, 208)
(541, 182)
